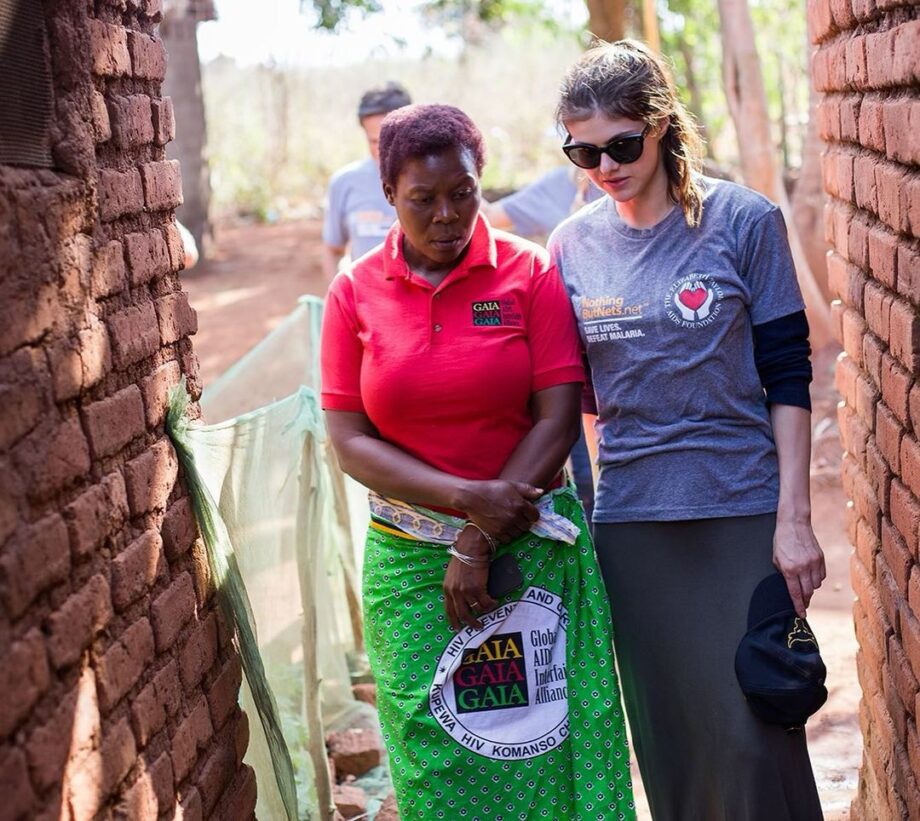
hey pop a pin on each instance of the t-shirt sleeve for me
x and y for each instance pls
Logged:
(769, 270)
(539, 207)
(341, 351)
(335, 227)
(554, 347)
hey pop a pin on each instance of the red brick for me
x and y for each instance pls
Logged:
(867, 546)
(889, 596)
(854, 329)
(118, 754)
(879, 476)
(138, 801)
(191, 805)
(38, 558)
(216, 774)
(136, 569)
(854, 434)
(168, 688)
(871, 128)
(18, 797)
(201, 572)
(120, 193)
(878, 302)
(906, 67)
(108, 274)
(864, 175)
(102, 126)
(123, 663)
(148, 256)
(78, 621)
(199, 652)
(109, 49)
(177, 318)
(192, 735)
(879, 53)
(176, 245)
(132, 120)
(172, 610)
(162, 185)
(892, 205)
(912, 199)
(913, 590)
(24, 678)
(96, 514)
(883, 253)
(910, 464)
(857, 242)
(837, 311)
(95, 352)
(155, 390)
(24, 394)
(161, 774)
(113, 422)
(148, 56)
(857, 72)
(897, 556)
(135, 334)
(49, 745)
(845, 375)
(896, 385)
(830, 165)
(828, 115)
(150, 478)
(164, 121)
(354, 751)
(866, 399)
(240, 802)
(179, 528)
(888, 433)
(147, 714)
(901, 118)
(910, 636)
(241, 737)
(224, 693)
(52, 457)
(909, 273)
(904, 335)
(905, 514)
(873, 351)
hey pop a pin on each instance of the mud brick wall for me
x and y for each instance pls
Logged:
(867, 65)
(118, 676)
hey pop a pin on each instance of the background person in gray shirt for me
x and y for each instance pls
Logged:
(358, 215)
(690, 313)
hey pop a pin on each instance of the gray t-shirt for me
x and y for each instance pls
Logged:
(666, 317)
(537, 208)
(357, 212)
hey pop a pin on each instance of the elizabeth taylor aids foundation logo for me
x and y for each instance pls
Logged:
(694, 301)
(501, 691)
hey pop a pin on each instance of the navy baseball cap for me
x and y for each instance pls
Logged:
(778, 662)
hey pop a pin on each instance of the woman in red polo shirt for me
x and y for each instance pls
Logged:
(451, 383)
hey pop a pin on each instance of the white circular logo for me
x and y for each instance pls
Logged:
(502, 691)
(694, 301)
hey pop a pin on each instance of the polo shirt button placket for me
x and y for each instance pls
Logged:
(437, 328)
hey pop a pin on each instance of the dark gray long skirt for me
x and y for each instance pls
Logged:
(679, 593)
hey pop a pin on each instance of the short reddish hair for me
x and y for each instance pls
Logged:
(422, 130)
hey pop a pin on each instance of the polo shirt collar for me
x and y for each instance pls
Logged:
(481, 254)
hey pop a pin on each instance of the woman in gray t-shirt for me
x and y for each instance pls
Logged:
(695, 333)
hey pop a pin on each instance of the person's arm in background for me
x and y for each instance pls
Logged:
(335, 227)
(332, 256)
(537, 208)
(497, 215)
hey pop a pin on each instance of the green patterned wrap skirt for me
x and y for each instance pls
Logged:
(519, 720)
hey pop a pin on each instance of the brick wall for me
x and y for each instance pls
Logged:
(118, 678)
(867, 64)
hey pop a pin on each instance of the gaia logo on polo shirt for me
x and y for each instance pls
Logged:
(502, 311)
(501, 691)
(694, 301)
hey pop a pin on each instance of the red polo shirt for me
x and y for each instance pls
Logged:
(447, 373)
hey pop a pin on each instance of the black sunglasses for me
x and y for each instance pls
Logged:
(622, 150)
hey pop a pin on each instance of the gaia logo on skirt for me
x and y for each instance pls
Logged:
(501, 691)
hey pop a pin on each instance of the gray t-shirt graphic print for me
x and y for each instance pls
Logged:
(665, 315)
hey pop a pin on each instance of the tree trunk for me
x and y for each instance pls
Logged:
(607, 19)
(650, 25)
(747, 104)
(183, 84)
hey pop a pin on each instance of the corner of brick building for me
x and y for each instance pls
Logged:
(866, 64)
(119, 676)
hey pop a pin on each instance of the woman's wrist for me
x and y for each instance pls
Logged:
(473, 542)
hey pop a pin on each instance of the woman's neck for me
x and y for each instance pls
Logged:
(651, 205)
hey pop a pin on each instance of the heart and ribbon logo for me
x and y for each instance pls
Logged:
(693, 300)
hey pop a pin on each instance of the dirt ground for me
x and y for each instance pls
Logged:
(253, 282)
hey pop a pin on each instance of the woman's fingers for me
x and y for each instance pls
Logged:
(796, 594)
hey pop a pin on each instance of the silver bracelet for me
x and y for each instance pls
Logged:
(492, 546)
(469, 561)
